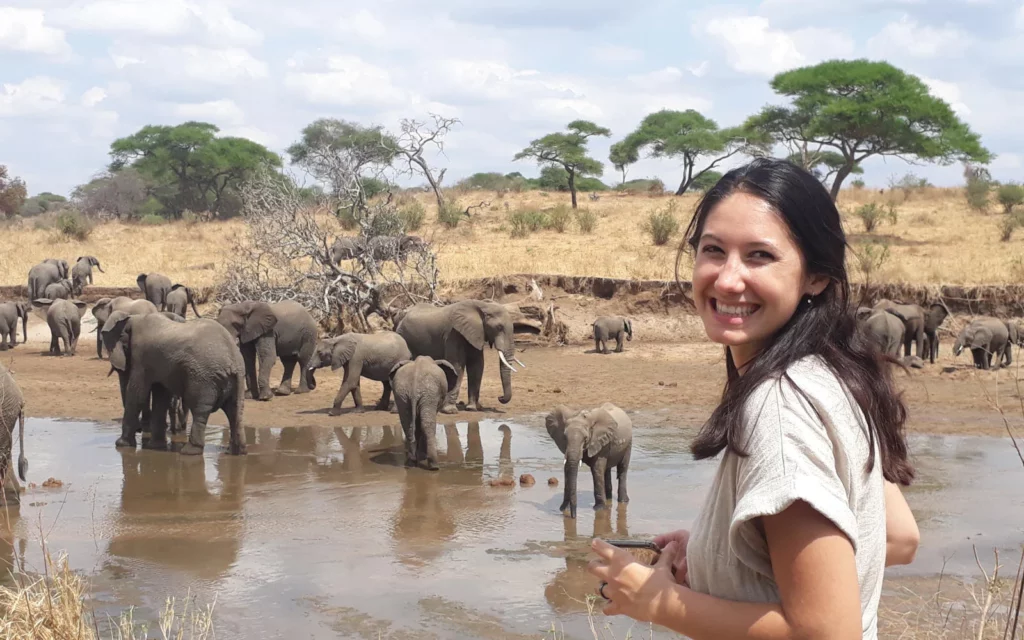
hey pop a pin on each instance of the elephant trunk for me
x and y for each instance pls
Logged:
(505, 369)
(24, 327)
(572, 467)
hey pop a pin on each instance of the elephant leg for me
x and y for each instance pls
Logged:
(408, 428)
(197, 436)
(349, 384)
(3, 343)
(74, 343)
(306, 380)
(99, 346)
(427, 416)
(450, 400)
(249, 357)
(266, 350)
(158, 419)
(474, 374)
(285, 389)
(618, 345)
(133, 400)
(597, 471)
(385, 399)
(608, 482)
(597, 344)
(54, 345)
(236, 436)
(620, 470)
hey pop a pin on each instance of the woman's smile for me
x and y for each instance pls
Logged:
(733, 314)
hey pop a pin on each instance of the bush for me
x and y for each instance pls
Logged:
(857, 184)
(873, 214)
(978, 185)
(586, 219)
(1010, 223)
(662, 224)
(152, 220)
(412, 214)
(525, 221)
(73, 225)
(558, 218)
(450, 214)
(1010, 195)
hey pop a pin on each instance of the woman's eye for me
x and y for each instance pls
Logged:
(710, 248)
(763, 255)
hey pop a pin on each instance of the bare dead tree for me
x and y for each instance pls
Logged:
(284, 253)
(414, 139)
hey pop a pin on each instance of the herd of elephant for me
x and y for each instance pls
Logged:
(892, 326)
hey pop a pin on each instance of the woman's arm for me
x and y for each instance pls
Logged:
(901, 533)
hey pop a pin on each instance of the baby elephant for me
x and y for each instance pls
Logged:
(9, 314)
(362, 355)
(600, 438)
(65, 320)
(420, 387)
(607, 327)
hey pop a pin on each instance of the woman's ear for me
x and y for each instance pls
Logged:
(816, 284)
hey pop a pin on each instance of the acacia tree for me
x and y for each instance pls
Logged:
(689, 137)
(12, 193)
(568, 150)
(622, 156)
(822, 164)
(414, 139)
(859, 109)
(189, 166)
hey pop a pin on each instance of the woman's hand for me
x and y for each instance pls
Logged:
(682, 538)
(633, 589)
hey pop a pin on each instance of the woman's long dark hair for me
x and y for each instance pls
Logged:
(826, 328)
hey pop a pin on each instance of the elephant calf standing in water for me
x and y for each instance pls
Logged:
(12, 412)
(600, 438)
(421, 387)
(9, 314)
(371, 356)
(65, 320)
(197, 361)
(608, 327)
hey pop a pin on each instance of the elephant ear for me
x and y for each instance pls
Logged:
(937, 313)
(81, 306)
(394, 369)
(449, 373)
(602, 431)
(176, 286)
(864, 312)
(141, 281)
(116, 335)
(982, 338)
(344, 349)
(467, 321)
(555, 423)
(259, 320)
(43, 303)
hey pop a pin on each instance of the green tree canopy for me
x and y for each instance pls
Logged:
(342, 155)
(860, 108)
(622, 156)
(568, 150)
(822, 164)
(12, 193)
(689, 137)
(189, 167)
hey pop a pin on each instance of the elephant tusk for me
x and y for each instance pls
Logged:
(501, 356)
(516, 360)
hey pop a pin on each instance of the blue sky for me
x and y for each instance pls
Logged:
(74, 75)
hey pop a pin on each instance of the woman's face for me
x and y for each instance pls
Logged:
(749, 275)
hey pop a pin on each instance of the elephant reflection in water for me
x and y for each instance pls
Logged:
(169, 516)
(289, 456)
(568, 590)
(12, 562)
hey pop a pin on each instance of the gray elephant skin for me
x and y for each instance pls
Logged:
(363, 355)
(347, 248)
(81, 273)
(266, 332)
(9, 314)
(1016, 338)
(458, 333)
(179, 298)
(600, 438)
(155, 286)
(197, 361)
(884, 328)
(65, 320)
(12, 413)
(46, 272)
(62, 289)
(611, 327)
(985, 337)
(920, 326)
(103, 307)
(421, 387)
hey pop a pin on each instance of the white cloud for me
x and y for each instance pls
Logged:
(753, 46)
(252, 133)
(906, 36)
(948, 91)
(44, 99)
(33, 96)
(362, 24)
(93, 97)
(165, 64)
(616, 53)
(26, 30)
(168, 18)
(1020, 17)
(219, 112)
(700, 69)
(345, 80)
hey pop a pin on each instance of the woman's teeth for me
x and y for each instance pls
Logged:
(735, 310)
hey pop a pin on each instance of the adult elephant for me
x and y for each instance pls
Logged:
(81, 273)
(65, 320)
(1015, 339)
(46, 272)
(985, 337)
(458, 333)
(12, 413)
(600, 438)
(197, 361)
(883, 328)
(155, 286)
(347, 248)
(266, 332)
(179, 298)
(919, 324)
(421, 387)
(105, 306)
(9, 314)
(362, 355)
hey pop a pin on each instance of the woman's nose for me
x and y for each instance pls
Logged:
(731, 276)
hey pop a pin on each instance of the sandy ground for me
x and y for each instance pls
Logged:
(665, 384)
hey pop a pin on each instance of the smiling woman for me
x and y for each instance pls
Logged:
(794, 534)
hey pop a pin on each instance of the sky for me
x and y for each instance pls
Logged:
(76, 75)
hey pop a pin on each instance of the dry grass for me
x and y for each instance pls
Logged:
(937, 240)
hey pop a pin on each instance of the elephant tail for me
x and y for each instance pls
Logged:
(22, 460)
(896, 313)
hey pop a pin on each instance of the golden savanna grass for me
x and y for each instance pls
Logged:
(937, 240)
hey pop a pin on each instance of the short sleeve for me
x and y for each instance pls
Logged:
(791, 456)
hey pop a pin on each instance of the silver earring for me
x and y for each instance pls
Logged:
(808, 301)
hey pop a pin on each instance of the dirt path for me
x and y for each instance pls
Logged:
(671, 383)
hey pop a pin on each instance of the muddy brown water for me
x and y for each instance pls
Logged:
(322, 533)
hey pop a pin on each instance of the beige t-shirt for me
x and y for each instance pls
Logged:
(793, 455)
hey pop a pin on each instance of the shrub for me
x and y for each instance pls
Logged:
(857, 184)
(558, 218)
(586, 219)
(526, 221)
(873, 214)
(978, 185)
(1010, 223)
(1010, 195)
(662, 224)
(412, 214)
(152, 220)
(73, 225)
(450, 214)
